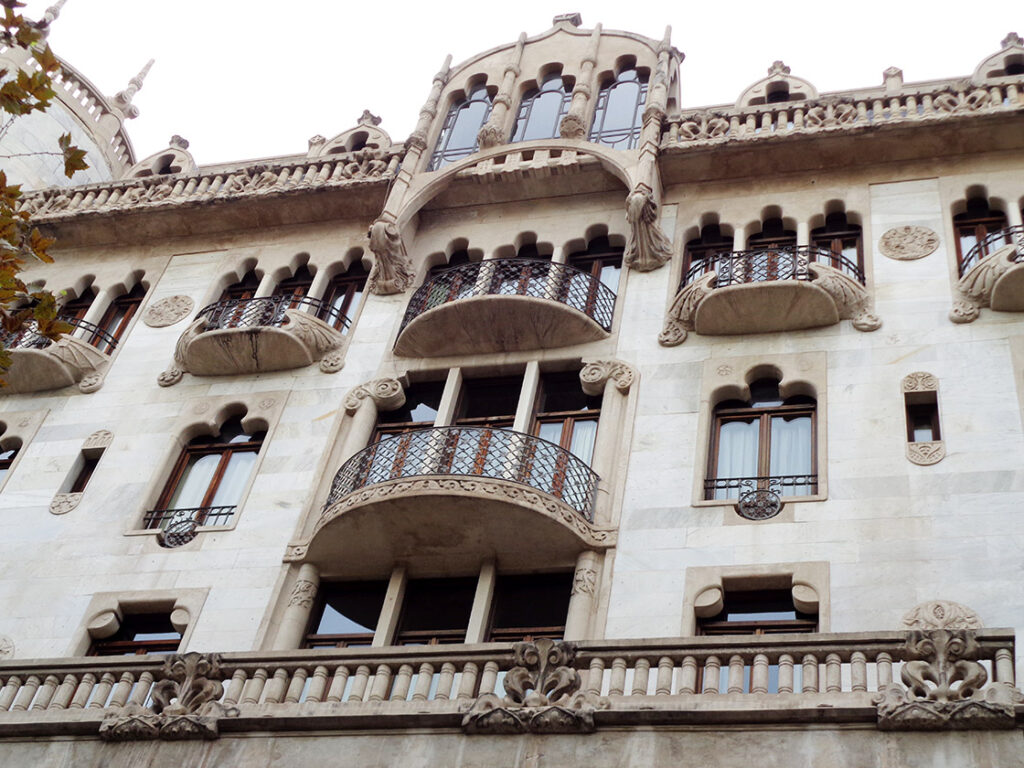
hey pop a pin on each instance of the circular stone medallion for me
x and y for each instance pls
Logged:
(908, 243)
(168, 311)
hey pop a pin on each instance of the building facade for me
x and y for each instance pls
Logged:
(577, 428)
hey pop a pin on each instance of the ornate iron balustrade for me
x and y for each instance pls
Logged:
(759, 265)
(783, 485)
(267, 311)
(501, 454)
(517, 277)
(30, 338)
(993, 242)
(164, 518)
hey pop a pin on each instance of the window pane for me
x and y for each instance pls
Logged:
(584, 434)
(791, 451)
(622, 105)
(530, 603)
(737, 449)
(437, 609)
(194, 482)
(351, 608)
(236, 474)
(543, 119)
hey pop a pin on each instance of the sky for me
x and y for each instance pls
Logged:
(246, 79)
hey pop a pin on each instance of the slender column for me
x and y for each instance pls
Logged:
(759, 674)
(417, 142)
(476, 632)
(803, 233)
(581, 600)
(234, 688)
(883, 667)
(296, 614)
(337, 690)
(688, 677)
(266, 286)
(495, 130)
(574, 124)
(785, 673)
(712, 674)
(1013, 215)
(641, 677)
(449, 398)
(392, 607)
(489, 678)
(96, 311)
(527, 397)
(595, 677)
(664, 684)
(607, 452)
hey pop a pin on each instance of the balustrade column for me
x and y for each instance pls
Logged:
(582, 599)
(292, 628)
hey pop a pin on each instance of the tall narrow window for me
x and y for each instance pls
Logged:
(78, 307)
(973, 226)
(116, 319)
(542, 109)
(140, 633)
(773, 257)
(461, 125)
(841, 237)
(243, 289)
(345, 614)
(393, 438)
(601, 259)
(297, 286)
(921, 405)
(619, 111)
(529, 607)
(436, 611)
(208, 479)
(768, 443)
(343, 296)
(489, 402)
(566, 415)
(701, 252)
(85, 472)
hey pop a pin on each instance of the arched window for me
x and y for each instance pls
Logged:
(243, 289)
(343, 296)
(619, 113)
(840, 236)
(701, 251)
(116, 319)
(461, 125)
(297, 286)
(542, 109)
(208, 478)
(766, 443)
(773, 234)
(973, 226)
(78, 307)
(775, 256)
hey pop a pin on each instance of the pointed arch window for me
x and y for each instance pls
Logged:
(542, 109)
(618, 116)
(974, 225)
(297, 286)
(840, 236)
(243, 289)
(461, 125)
(343, 295)
(78, 307)
(116, 319)
(701, 252)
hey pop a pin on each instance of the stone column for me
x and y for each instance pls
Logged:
(594, 377)
(1013, 215)
(417, 142)
(96, 311)
(266, 286)
(476, 632)
(449, 398)
(527, 398)
(803, 233)
(583, 597)
(296, 614)
(495, 131)
(392, 608)
(361, 406)
(574, 124)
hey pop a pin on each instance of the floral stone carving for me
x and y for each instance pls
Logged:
(597, 373)
(542, 695)
(168, 311)
(926, 453)
(941, 614)
(908, 243)
(184, 704)
(944, 681)
(647, 247)
(392, 270)
(63, 503)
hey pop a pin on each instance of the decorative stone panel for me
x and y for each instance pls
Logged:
(908, 243)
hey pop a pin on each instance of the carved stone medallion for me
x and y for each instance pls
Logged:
(908, 243)
(64, 502)
(168, 311)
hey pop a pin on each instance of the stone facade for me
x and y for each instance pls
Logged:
(908, 564)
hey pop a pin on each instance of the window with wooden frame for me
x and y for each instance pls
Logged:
(345, 614)
(208, 478)
(922, 410)
(566, 415)
(387, 459)
(140, 633)
(84, 474)
(116, 319)
(487, 403)
(767, 443)
(78, 307)
(600, 260)
(841, 237)
(619, 111)
(458, 137)
(974, 225)
(701, 252)
(242, 289)
(529, 606)
(542, 109)
(436, 611)
(757, 612)
(297, 286)
(343, 296)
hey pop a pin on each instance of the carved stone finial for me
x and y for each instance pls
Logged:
(778, 68)
(386, 394)
(542, 674)
(392, 271)
(941, 614)
(50, 14)
(317, 141)
(647, 247)
(123, 99)
(595, 374)
(1012, 40)
(178, 142)
(892, 78)
(572, 19)
(368, 118)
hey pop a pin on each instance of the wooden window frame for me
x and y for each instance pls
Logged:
(978, 226)
(130, 303)
(835, 240)
(344, 285)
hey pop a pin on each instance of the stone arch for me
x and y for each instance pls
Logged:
(1008, 61)
(779, 86)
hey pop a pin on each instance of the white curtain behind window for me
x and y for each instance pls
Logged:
(737, 453)
(791, 451)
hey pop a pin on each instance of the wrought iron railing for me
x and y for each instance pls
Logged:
(517, 277)
(760, 265)
(166, 518)
(267, 310)
(501, 454)
(993, 242)
(784, 485)
(30, 338)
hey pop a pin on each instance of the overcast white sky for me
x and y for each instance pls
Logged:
(244, 79)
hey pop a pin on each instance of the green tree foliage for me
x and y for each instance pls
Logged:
(22, 93)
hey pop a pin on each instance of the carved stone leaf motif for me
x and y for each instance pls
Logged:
(920, 381)
(851, 298)
(908, 243)
(542, 674)
(168, 311)
(596, 373)
(318, 337)
(303, 594)
(190, 681)
(975, 288)
(101, 438)
(681, 314)
(647, 247)
(584, 581)
(709, 125)
(926, 453)
(941, 614)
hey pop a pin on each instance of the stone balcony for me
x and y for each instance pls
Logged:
(505, 305)
(39, 364)
(273, 333)
(768, 290)
(449, 492)
(917, 680)
(991, 275)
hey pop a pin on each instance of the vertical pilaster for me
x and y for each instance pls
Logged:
(476, 632)
(495, 131)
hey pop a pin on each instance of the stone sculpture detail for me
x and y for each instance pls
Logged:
(941, 614)
(926, 453)
(392, 270)
(920, 381)
(303, 594)
(63, 503)
(943, 679)
(386, 394)
(168, 311)
(184, 704)
(6, 647)
(597, 373)
(542, 695)
(974, 290)
(647, 247)
(908, 243)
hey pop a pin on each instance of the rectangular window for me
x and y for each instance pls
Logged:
(530, 606)
(922, 417)
(436, 611)
(346, 615)
(760, 612)
(140, 633)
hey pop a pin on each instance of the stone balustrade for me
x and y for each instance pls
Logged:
(957, 678)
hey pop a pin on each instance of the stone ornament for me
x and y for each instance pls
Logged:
(943, 680)
(184, 704)
(759, 504)
(926, 453)
(595, 374)
(168, 311)
(647, 247)
(101, 438)
(64, 502)
(908, 243)
(920, 381)
(584, 581)
(303, 594)
(542, 695)
(386, 394)
(681, 314)
(6, 647)
(392, 269)
(974, 290)
(170, 377)
(941, 614)
(91, 382)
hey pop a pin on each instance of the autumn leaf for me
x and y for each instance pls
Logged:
(74, 158)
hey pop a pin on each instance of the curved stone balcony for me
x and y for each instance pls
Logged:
(769, 289)
(272, 333)
(39, 364)
(505, 305)
(449, 492)
(992, 275)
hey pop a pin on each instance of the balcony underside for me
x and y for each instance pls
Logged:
(446, 523)
(1008, 290)
(764, 307)
(495, 323)
(58, 365)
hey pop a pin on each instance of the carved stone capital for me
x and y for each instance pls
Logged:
(490, 135)
(392, 270)
(386, 394)
(584, 581)
(168, 311)
(647, 247)
(941, 614)
(597, 373)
